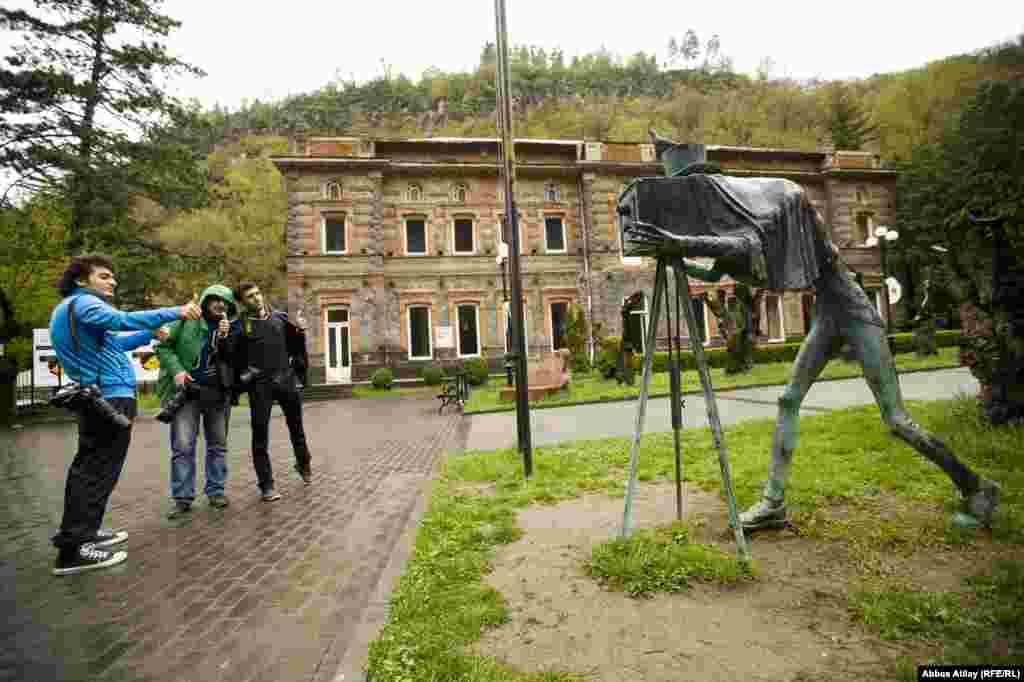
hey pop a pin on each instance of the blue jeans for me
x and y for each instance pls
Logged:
(184, 434)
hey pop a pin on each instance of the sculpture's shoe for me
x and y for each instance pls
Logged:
(977, 509)
(765, 514)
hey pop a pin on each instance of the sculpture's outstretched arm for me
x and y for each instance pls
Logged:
(698, 271)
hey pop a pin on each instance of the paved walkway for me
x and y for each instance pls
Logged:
(285, 591)
(605, 420)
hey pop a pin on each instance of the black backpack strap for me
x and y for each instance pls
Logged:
(73, 324)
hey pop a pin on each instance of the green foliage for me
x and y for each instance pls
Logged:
(848, 124)
(84, 113)
(432, 375)
(382, 378)
(19, 351)
(476, 371)
(661, 560)
(576, 331)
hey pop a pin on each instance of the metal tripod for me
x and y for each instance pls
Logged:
(682, 288)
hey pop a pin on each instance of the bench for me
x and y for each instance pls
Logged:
(544, 376)
(454, 391)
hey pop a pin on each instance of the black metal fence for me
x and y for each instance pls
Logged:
(29, 397)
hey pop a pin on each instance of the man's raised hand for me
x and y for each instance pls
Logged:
(190, 311)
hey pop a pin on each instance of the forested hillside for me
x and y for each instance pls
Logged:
(693, 95)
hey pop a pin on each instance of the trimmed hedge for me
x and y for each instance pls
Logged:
(432, 375)
(476, 371)
(382, 378)
(786, 352)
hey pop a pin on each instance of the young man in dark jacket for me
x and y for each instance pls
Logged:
(83, 331)
(264, 343)
(193, 358)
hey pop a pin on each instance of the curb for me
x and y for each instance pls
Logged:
(633, 398)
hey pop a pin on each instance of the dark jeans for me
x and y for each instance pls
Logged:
(262, 397)
(185, 435)
(102, 448)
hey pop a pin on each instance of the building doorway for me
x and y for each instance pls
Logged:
(339, 346)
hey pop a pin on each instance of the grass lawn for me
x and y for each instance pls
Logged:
(441, 604)
(396, 390)
(593, 387)
(150, 401)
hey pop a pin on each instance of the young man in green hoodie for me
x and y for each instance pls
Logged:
(193, 357)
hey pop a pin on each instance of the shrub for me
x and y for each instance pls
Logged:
(476, 371)
(382, 378)
(580, 362)
(432, 375)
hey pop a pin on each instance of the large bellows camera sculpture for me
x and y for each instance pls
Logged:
(648, 209)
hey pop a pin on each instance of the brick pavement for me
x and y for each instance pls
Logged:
(259, 591)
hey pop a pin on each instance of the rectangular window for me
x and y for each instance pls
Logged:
(554, 234)
(773, 314)
(508, 326)
(334, 234)
(415, 236)
(559, 317)
(464, 235)
(419, 333)
(469, 338)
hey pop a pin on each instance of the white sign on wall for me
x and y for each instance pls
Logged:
(444, 337)
(46, 370)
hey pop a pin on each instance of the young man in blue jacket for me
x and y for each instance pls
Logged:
(91, 352)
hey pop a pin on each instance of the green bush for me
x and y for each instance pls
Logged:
(432, 375)
(18, 350)
(476, 371)
(382, 378)
(580, 362)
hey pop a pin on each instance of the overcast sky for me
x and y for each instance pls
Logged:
(273, 49)
(269, 50)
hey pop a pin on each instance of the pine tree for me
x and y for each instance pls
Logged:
(848, 124)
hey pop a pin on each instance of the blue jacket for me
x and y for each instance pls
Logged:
(96, 319)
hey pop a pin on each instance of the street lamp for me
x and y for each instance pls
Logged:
(502, 261)
(882, 235)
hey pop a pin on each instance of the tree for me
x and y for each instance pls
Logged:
(83, 108)
(965, 194)
(849, 125)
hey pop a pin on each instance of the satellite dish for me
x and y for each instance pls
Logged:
(895, 290)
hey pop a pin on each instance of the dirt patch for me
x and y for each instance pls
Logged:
(790, 624)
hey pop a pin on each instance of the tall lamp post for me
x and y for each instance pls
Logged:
(502, 261)
(883, 235)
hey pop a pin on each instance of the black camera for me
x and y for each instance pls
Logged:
(82, 397)
(181, 396)
(249, 375)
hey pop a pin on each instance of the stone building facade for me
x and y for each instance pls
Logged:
(392, 244)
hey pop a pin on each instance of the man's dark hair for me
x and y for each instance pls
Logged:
(80, 268)
(240, 290)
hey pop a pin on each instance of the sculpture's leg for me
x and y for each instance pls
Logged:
(980, 496)
(770, 512)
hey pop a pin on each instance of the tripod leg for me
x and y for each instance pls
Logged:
(641, 406)
(713, 420)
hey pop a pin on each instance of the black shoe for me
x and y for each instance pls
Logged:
(218, 501)
(180, 509)
(108, 538)
(87, 558)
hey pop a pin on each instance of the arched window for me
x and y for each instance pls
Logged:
(414, 192)
(460, 193)
(552, 192)
(332, 191)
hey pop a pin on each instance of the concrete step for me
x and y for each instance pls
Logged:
(318, 392)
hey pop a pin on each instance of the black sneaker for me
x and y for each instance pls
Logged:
(180, 509)
(88, 558)
(108, 538)
(218, 501)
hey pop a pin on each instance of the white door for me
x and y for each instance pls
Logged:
(339, 347)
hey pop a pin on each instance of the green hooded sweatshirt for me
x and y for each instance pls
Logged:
(180, 351)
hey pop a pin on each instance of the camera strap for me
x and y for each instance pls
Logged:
(73, 324)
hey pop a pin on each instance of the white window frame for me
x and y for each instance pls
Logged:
(643, 323)
(328, 186)
(623, 258)
(405, 235)
(414, 188)
(555, 190)
(430, 330)
(323, 233)
(565, 235)
(458, 332)
(707, 321)
(464, 189)
(551, 320)
(472, 227)
(767, 322)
